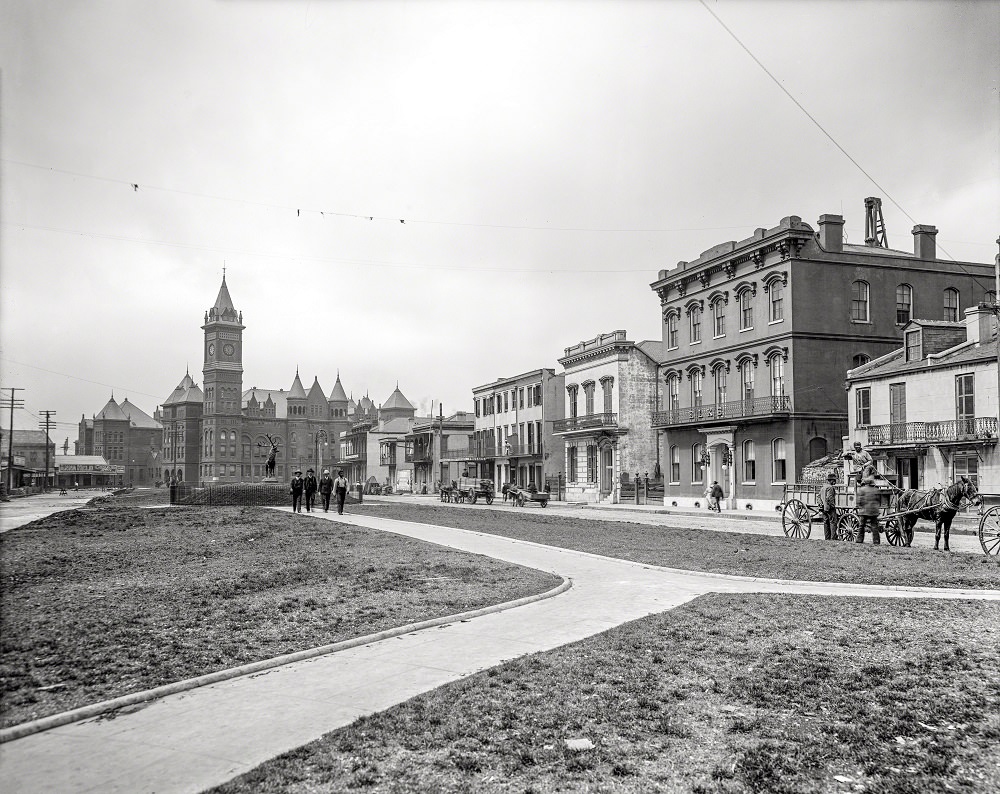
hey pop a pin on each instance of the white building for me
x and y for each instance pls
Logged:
(928, 411)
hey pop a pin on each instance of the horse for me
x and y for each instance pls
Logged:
(937, 506)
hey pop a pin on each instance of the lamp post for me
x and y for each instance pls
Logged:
(322, 440)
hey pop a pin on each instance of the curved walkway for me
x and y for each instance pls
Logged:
(199, 738)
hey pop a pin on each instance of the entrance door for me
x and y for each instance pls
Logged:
(897, 411)
(906, 470)
(607, 470)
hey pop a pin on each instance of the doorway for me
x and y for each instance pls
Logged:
(607, 470)
(907, 472)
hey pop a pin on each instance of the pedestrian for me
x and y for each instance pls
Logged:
(340, 489)
(310, 487)
(828, 504)
(296, 491)
(325, 489)
(715, 497)
(869, 505)
(504, 489)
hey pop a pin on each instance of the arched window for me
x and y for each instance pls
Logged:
(778, 463)
(672, 330)
(746, 310)
(904, 304)
(746, 380)
(675, 464)
(749, 462)
(697, 464)
(951, 305)
(696, 387)
(673, 393)
(777, 301)
(859, 302)
(720, 384)
(695, 324)
(777, 363)
(571, 393)
(860, 359)
(718, 318)
(588, 397)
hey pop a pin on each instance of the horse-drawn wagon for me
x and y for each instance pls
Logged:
(470, 489)
(989, 525)
(899, 511)
(521, 496)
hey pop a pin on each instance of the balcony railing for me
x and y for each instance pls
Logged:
(475, 452)
(981, 428)
(736, 409)
(355, 456)
(585, 422)
(419, 456)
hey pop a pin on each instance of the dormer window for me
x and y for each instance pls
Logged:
(913, 345)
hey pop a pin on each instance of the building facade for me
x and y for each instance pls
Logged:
(434, 445)
(126, 436)
(513, 440)
(611, 391)
(757, 337)
(927, 412)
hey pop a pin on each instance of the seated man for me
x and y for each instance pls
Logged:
(862, 464)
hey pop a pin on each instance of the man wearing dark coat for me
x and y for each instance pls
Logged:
(325, 489)
(311, 485)
(296, 491)
(828, 504)
(869, 505)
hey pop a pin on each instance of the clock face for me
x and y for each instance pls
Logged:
(228, 349)
(211, 350)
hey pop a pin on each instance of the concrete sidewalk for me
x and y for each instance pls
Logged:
(196, 739)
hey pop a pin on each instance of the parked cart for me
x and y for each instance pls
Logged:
(989, 525)
(521, 496)
(800, 508)
(471, 489)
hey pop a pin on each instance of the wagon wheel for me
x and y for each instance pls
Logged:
(796, 519)
(848, 527)
(489, 498)
(472, 497)
(893, 532)
(545, 502)
(989, 531)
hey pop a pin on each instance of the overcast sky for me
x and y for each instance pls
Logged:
(548, 159)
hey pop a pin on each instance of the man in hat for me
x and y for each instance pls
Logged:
(862, 464)
(869, 504)
(325, 489)
(715, 496)
(296, 491)
(340, 489)
(310, 488)
(828, 504)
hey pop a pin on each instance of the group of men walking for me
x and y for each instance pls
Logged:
(326, 485)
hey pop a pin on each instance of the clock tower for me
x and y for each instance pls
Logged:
(223, 384)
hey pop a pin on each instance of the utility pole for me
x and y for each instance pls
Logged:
(47, 424)
(996, 314)
(11, 402)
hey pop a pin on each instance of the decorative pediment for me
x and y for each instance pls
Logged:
(770, 278)
(672, 372)
(671, 311)
(747, 358)
(719, 295)
(690, 306)
(695, 369)
(719, 363)
(773, 351)
(744, 286)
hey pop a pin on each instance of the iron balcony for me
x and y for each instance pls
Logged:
(587, 422)
(979, 429)
(735, 409)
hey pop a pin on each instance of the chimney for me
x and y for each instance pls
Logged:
(924, 246)
(831, 233)
(979, 323)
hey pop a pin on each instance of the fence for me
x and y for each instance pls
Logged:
(260, 494)
(641, 491)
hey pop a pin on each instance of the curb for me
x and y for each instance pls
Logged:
(96, 709)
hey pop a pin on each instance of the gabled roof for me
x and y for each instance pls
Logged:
(277, 397)
(112, 412)
(297, 392)
(338, 394)
(138, 417)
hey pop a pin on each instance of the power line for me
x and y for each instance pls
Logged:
(74, 377)
(820, 127)
(136, 186)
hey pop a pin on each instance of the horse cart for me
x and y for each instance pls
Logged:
(800, 508)
(521, 496)
(471, 489)
(989, 525)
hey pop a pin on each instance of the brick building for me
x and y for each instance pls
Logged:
(757, 337)
(124, 435)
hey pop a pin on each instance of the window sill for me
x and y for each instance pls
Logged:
(861, 322)
(746, 329)
(776, 322)
(719, 336)
(696, 342)
(749, 482)
(675, 483)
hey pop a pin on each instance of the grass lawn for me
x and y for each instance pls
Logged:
(713, 551)
(112, 599)
(728, 693)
